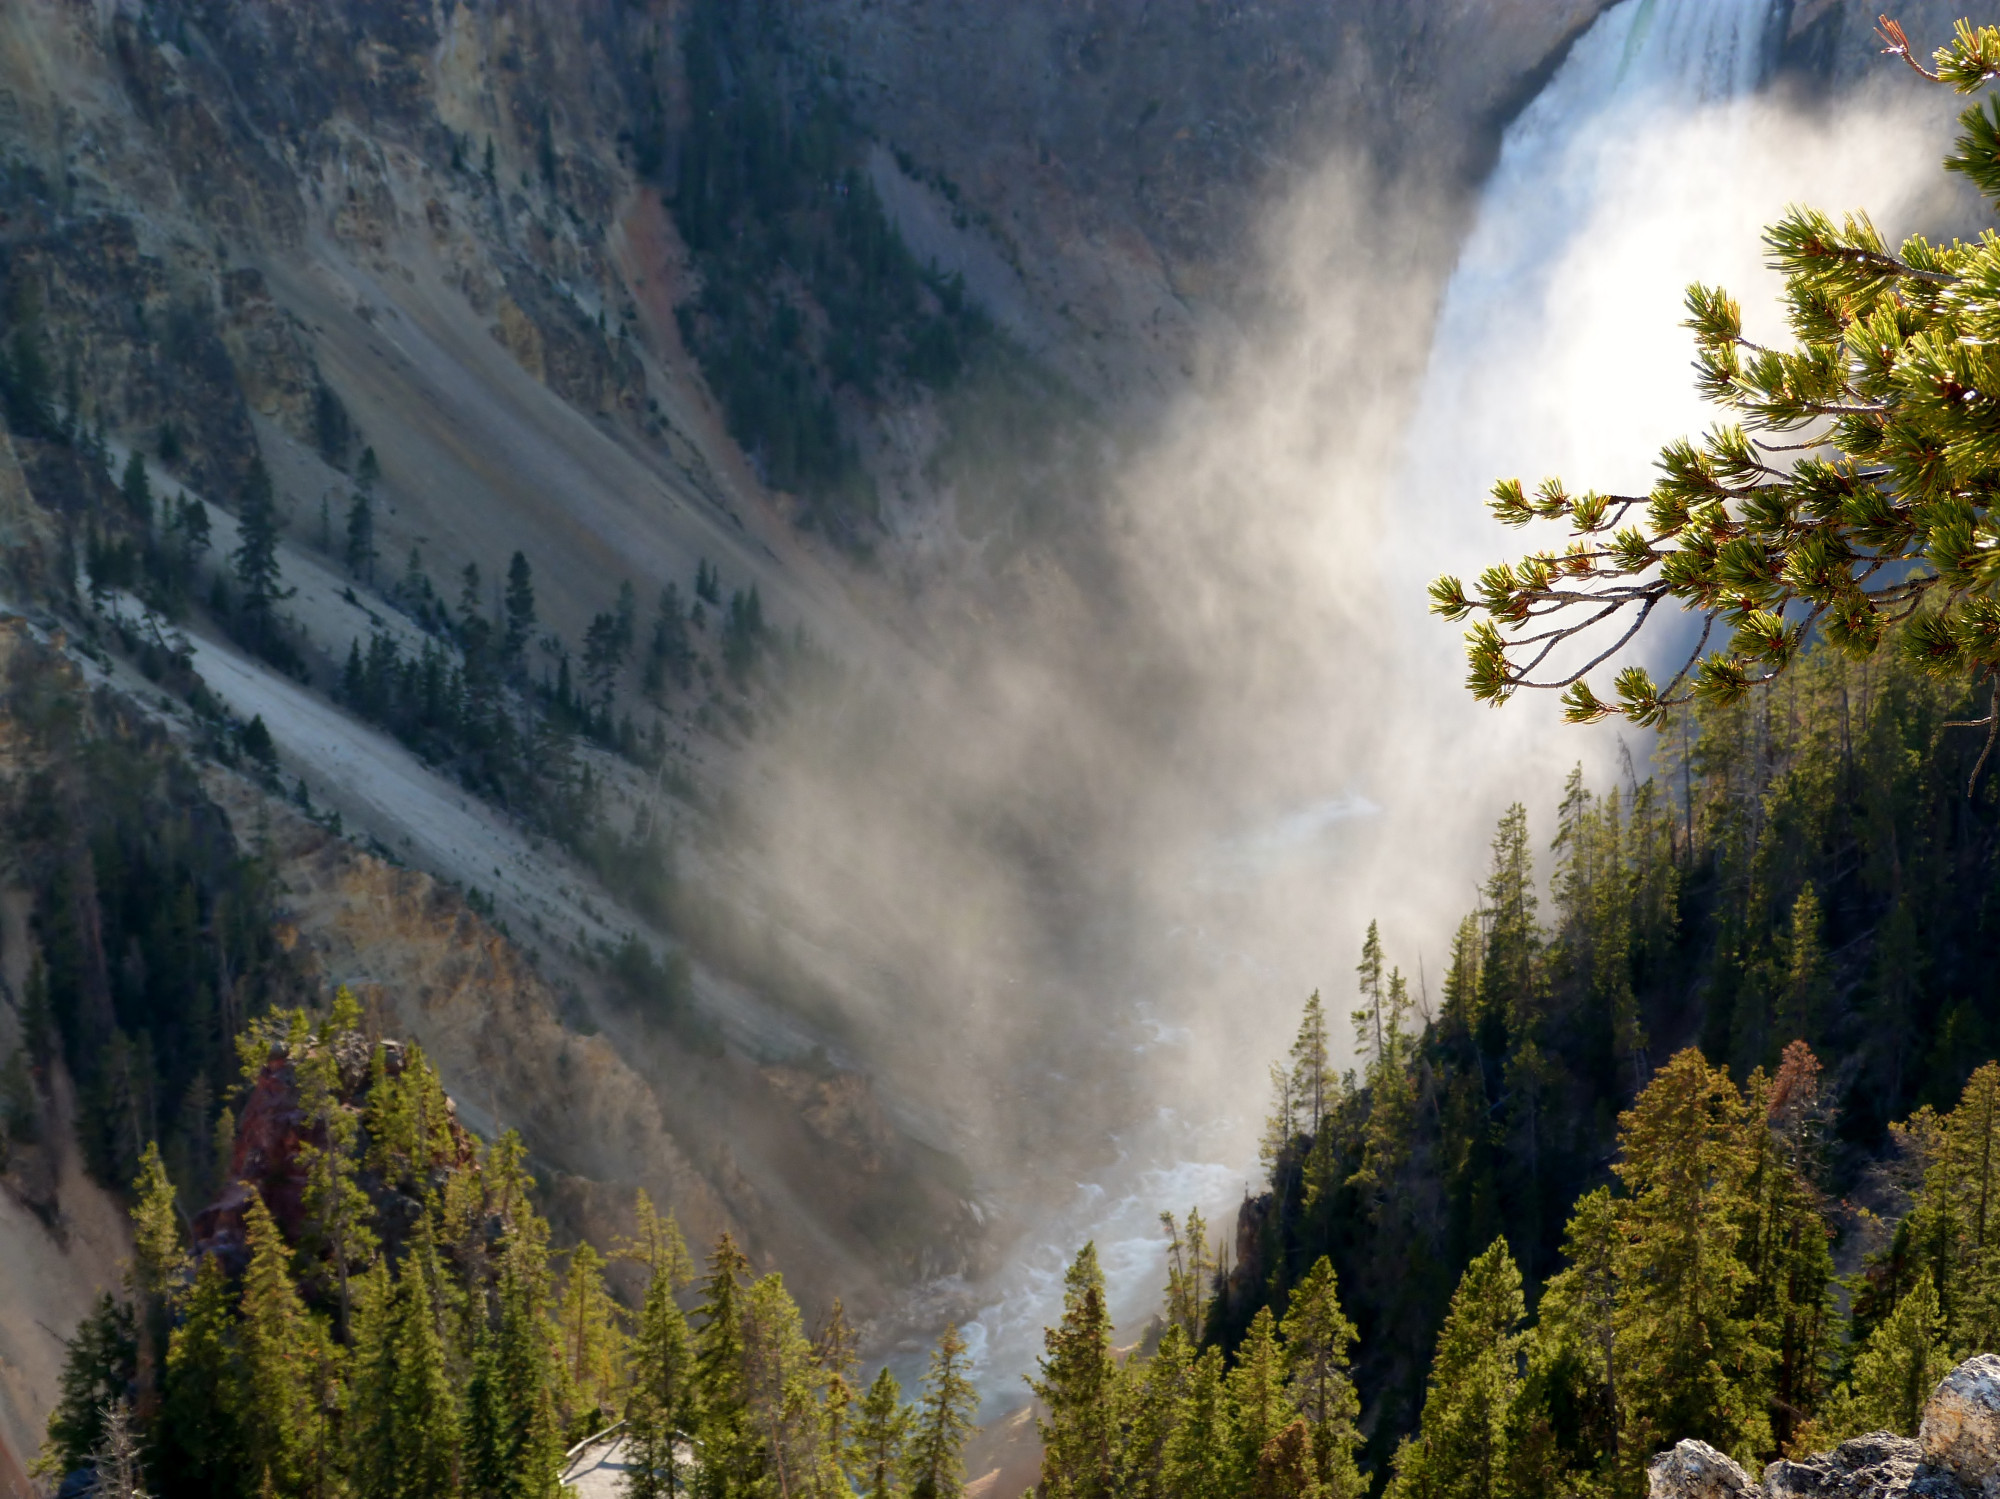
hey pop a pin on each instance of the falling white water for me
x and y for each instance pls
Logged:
(1564, 311)
(1570, 154)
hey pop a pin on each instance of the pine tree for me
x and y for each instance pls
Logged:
(520, 612)
(1692, 1364)
(783, 1384)
(1901, 1364)
(1258, 1404)
(337, 1209)
(875, 1451)
(527, 1361)
(732, 1452)
(934, 1457)
(283, 1351)
(1957, 1213)
(200, 1429)
(1510, 974)
(1790, 1258)
(158, 1265)
(1285, 1466)
(1199, 1462)
(592, 1341)
(137, 490)
(1862, 527)
(256, 555)
(1317, 1337)
(1281, 1126)
(1310, 1067)
(1368, 1019)
(833, 1349)
(1581, 1302)
(662, 1410)
(1156, 1391)
(1460, 1450)
(1191, 1269)
(1078, 1385)
(423, 1437)
(1803, 996)
(99, 1371)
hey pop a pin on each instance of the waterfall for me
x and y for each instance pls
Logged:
(1588, 228)
(1558, 212)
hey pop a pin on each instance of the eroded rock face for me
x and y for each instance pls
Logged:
(1956, 1455)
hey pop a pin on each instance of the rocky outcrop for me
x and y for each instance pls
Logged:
(1695, 1470)
(272, 1133)
(1961, 1430)
(1955, 1455)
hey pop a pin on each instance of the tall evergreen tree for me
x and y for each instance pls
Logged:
(1460, 1450)
(1078, 1384)
(337, 1209)
(934, 1456)
(99, 1371)
(201, 1438)
(1901, 1364)
(256, 554)
(592, 1341)
(732, 1465)
(1191, 1268)
(137, 489)
(519, 605)
(1259, 1407)
(1311, 1070)
(158, 1265)
(1368, 1019)
(283, 1350)
(783, 1384)
(875, 1450)
(1693, 1365)
(1199, 1462)
(1317, 1337)
(662, 1411)
(1154, 1404)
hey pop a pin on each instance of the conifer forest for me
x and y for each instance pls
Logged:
(711, 712)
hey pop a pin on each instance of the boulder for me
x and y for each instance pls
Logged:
(1695, 1470)
(1960, 1435)
(1879, 1465)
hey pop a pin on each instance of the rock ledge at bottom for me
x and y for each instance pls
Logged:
(1956, 1455)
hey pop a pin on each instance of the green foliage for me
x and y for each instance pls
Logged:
(875, 1451)
(809, 296)
(1460, 1451)
(284, 1349)
(1078, 1384)
(1693, 1363)
(1902, 1363)
(1317, 1337)
(129, 858)
(1873, 508)
(255, 562)
(99, 1370)
(938, 1428)
(663, 1408)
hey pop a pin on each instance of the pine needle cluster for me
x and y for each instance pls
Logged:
(1849, 489)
